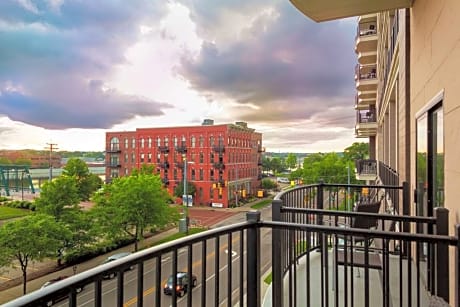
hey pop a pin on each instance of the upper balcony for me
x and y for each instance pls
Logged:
(164, 164)
(219, 148)
(366, 123)
(219, 165)
(324, 10)
(366, 36)
(163, 149)
(366, 169)
(113, 148)
(113, 164)
(314, 260)
(181, 148)
(366, 78)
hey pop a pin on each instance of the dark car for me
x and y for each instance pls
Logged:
(113, 258)
(61, 295)
(182, 284)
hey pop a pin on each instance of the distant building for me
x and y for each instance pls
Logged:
(37, 159)
(223, 161)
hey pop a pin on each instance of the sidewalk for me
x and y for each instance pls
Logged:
(40, 272)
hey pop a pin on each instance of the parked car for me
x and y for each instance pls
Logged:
(182, 284)
(113, 258)
(282, 180)
(61, 295)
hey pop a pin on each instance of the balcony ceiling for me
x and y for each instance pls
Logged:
(323, 10)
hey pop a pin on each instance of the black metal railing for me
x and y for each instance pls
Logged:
(164, 149)
(409, 263)
(365, 116)
(181, 148)
(113, 148)
(366, 28)
(366, 167)
(365, 72)
(219, 165)
(219, 148)
(113, 164)
(306, 247)
(228, 279)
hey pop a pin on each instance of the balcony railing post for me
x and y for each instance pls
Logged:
(442, 254)
(253, 263)
(277, 254)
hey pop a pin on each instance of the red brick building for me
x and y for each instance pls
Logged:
(223, 161)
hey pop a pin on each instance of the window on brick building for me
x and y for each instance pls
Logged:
(193, 140)
(201, 157)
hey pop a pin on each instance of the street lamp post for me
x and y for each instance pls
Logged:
(348, 196)
(185, 195)
(187, 219)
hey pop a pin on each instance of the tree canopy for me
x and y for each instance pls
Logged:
(357, 151)
(86, 182)
(130, 204)
(58, 197)
(291, 161)
(31, 238)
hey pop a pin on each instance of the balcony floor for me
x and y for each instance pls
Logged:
(375, 282)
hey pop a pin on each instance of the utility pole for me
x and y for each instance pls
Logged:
(237, 190)
(51, 147)
(185, 195)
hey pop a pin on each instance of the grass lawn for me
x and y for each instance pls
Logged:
(9, 213)
(262, 204)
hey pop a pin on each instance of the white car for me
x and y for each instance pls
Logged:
(282, 180)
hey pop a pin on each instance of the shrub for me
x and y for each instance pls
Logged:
(21, 204)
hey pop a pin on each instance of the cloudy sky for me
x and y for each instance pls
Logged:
(71, 70)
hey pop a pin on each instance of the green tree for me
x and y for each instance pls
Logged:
(268, 184)
(179, 189)
(31, 238)
(291, 161)
(148, 169)
(266, 164)
(357, 151)
(130, 204)
(276, 165)
(86, 182)
(5, 161)
(328, 167)
(58, 197)
(23, 161)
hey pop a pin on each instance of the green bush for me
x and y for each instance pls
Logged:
(4, 199)
(20, 204)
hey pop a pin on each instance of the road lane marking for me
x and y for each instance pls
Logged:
(194, 264)
(5, 278)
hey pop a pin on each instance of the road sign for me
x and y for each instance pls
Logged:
(188, 201)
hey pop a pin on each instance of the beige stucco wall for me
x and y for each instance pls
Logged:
(435, 63)
(435, 67)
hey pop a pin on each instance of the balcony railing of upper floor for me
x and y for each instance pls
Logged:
(366, 169)
(365, 72)
(366, 28)
(365, 116)
(219, 148)
(114, 148)
(305, 247)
